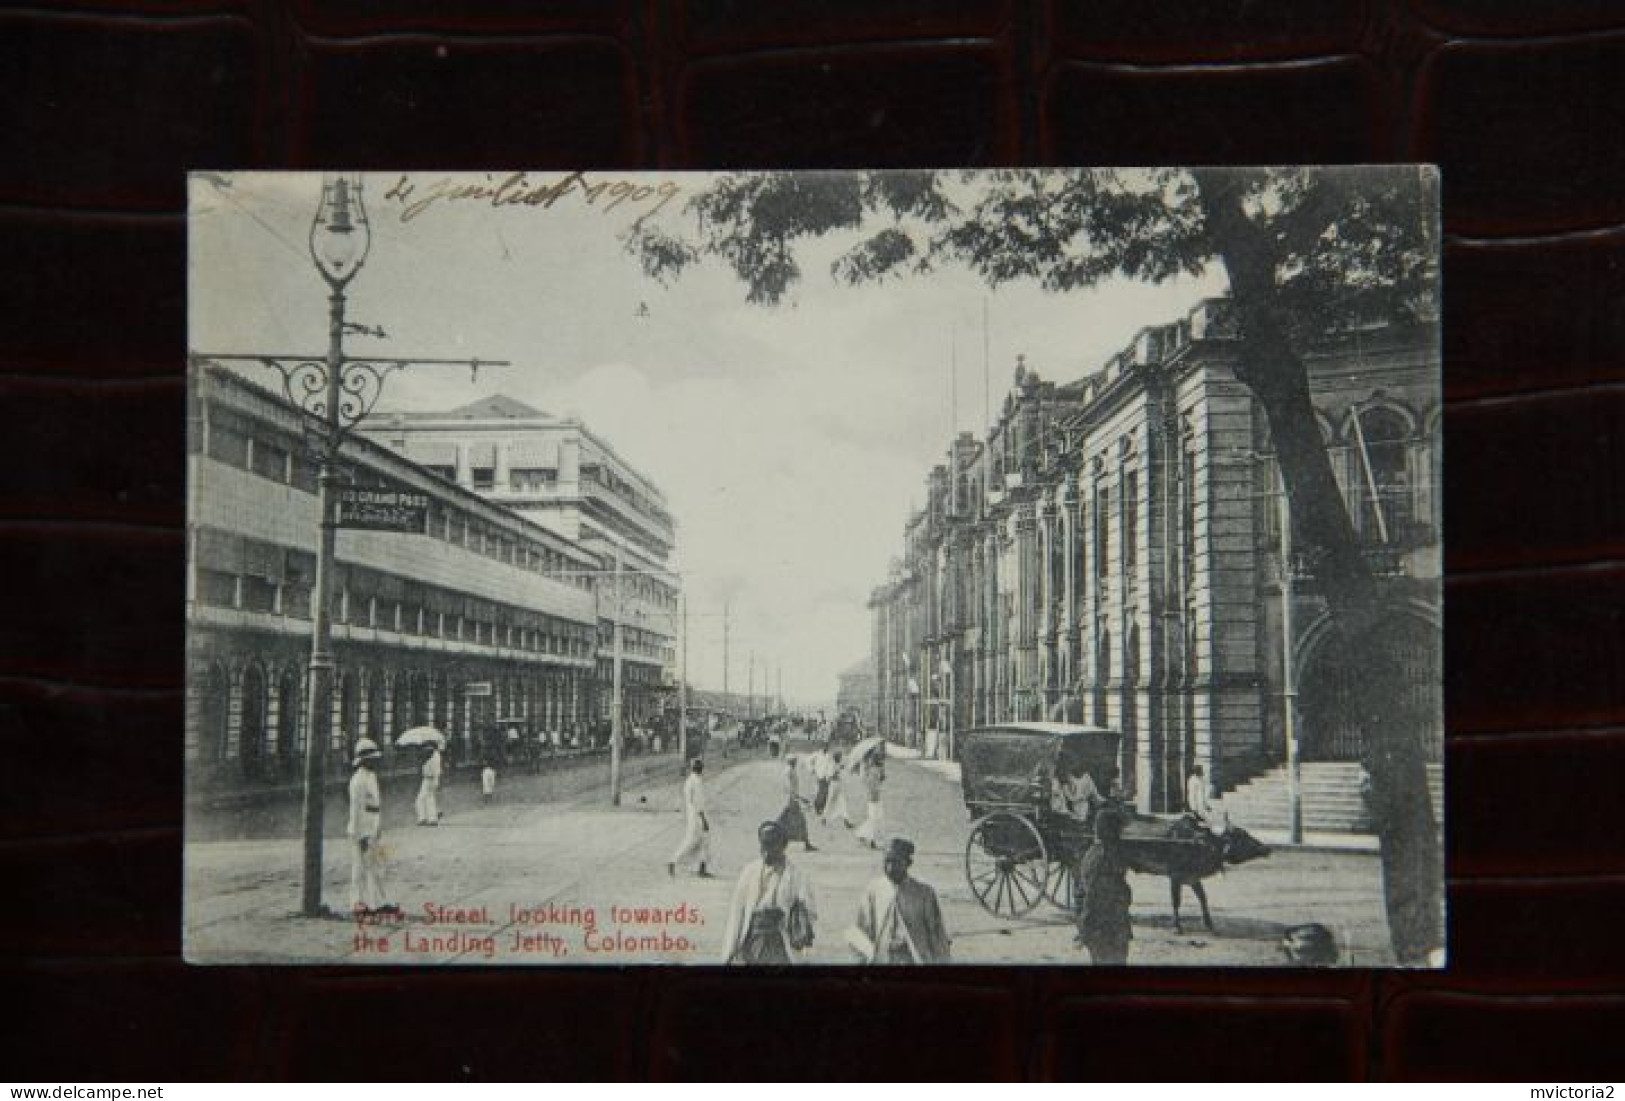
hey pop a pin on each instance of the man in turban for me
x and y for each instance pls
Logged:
(899, 921)
(771, 917)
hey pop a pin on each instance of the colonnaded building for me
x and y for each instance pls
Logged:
(1112, 553)
(484, 614)
(557, 473)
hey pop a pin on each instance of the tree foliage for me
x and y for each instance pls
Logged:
(1344, 245)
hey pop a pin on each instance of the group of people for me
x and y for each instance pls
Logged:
(1101, 892)
(773, 914)
(364, 828)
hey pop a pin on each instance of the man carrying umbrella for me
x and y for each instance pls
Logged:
(428, 804)
(428, 800)
(364, 828)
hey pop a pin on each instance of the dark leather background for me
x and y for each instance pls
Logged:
(102, 107)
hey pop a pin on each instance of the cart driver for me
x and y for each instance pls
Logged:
(1075, 792)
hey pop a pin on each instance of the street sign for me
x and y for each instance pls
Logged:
(383, 510)
(477, 688)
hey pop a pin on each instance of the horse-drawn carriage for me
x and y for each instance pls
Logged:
(1021, 851)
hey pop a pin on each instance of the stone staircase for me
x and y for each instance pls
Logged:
(1331, 799)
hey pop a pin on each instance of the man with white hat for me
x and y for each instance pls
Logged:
(365, 826)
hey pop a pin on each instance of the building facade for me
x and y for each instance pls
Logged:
(482, 615)
(556, 473)
(1111, 553)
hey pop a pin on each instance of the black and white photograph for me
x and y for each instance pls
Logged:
(856, 568)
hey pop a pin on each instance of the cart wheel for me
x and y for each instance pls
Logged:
(1005, 864)
(1060, 888)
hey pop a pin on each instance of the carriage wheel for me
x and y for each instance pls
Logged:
(1005, 863)
(1060, 887)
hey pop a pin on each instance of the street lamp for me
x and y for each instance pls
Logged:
(339, 392)
(340, 239)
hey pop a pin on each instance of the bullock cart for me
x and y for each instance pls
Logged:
(1021, 851)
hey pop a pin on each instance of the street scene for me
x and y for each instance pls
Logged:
(551, 873)
(1035, 567)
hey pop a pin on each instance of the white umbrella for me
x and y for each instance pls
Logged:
(861, 750)
(422, 735)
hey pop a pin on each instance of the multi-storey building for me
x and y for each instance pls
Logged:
(1112, 553)
(557, 473)
(480, 615)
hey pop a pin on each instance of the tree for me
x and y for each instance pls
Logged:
(1306, 252)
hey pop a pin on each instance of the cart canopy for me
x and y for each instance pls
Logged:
(1014, 764)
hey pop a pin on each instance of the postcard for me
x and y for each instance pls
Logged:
(858, 568)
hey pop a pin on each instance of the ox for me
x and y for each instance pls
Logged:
(1186, 855)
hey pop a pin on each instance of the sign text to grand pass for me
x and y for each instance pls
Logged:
(383, 510)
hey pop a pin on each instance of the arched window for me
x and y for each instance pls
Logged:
(251, 733)
(216, 712)
(442, 704)
(288, 742)
(375, 707)
(420, 699)
(1383, 481)
(349, 710)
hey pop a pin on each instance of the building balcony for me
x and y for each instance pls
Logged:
(1385, 563)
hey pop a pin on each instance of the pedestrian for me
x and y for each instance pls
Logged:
(1103, 894)
(835, 803)
(899, 920)
(365, 827)
(873, 774)
(488, 780)
(1196, 797)
(793, 818)
(428, 801)
(696, 846)
(773, 912)
(822, 768)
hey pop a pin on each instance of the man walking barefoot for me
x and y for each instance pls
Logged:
(696, 846)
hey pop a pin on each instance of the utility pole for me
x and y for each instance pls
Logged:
(682, 685)
(750, 686)
(615, 692)
(1289, 689)
(725, 661)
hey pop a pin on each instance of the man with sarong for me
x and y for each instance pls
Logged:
(696, 845)
(823, 766)
(793, 818)
(772, 914)
(873, 775)
(899, 921)
(835, 807)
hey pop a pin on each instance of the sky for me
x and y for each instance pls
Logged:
(791, 442)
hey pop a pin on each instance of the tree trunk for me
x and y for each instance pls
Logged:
(1401, 806)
